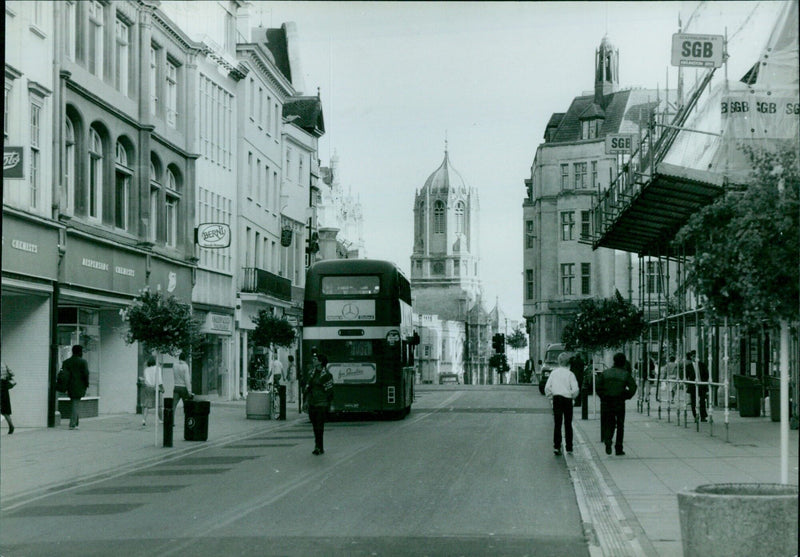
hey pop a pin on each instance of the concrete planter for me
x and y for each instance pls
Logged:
(257, 405)
(739, 519)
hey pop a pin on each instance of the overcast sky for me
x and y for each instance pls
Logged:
(395, 78)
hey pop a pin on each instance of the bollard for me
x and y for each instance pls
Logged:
(282, 400)
(169, 419)
(584, 405)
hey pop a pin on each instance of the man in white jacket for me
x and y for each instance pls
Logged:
(562, 388)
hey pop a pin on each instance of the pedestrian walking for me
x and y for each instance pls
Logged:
(319, 394)
(6, 384)
(275, 371)
(153, 386)
(562, 388)
(77, 371)
(614, 386)
(669, 373)
(291, 379)
(182, 386)
(700, 389)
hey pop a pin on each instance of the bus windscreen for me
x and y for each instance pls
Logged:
(360, 285)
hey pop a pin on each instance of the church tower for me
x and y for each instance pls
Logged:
(444, 264)
(606, 63)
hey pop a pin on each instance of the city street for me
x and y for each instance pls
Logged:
(469, 472)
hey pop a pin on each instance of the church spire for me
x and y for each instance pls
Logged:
(606, 62)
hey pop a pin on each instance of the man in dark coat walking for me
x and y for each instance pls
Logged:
(77, 371)
(614, 386)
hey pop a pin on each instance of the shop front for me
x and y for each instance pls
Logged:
(211, 364)
(29, 272)
(99, 280)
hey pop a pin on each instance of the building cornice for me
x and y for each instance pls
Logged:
(169, 28)
(252, 52)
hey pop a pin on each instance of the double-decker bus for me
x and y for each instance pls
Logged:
(358, 313)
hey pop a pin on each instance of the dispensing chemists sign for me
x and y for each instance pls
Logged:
(699, 51)
(621, 143)
(213, 235)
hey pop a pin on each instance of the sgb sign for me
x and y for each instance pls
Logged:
(703, 51)
(621, 143)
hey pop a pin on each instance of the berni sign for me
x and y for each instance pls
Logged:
(213, 235)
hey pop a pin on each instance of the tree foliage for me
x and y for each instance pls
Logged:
(603, 323)
(271, 330)
(517, 339)
(746, 245)
(163, 324)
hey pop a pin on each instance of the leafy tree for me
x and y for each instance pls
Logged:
(163, 324)
(603, 323)
(746, 245)
(517, 339)
(270, 330)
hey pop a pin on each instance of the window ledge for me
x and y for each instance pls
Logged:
(37, 31)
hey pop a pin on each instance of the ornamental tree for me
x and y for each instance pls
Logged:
(746, 246)
(517, 339)
(163, 324)
(270, 330)
(603, 323)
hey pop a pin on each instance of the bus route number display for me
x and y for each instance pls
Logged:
(699, 51)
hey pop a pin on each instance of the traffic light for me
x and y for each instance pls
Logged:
(499, 343)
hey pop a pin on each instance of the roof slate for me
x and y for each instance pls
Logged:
(308, 111)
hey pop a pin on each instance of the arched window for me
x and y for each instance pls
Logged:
(460, 217)
(438, 217)
(122, 186)
(69, 165)
(171, 210)
(155, 194)
(95, 193)
(421, 216)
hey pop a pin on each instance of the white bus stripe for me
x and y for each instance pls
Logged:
(328, 333)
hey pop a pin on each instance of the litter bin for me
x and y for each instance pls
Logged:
(774, 386)
(748, 395)
(195, 425)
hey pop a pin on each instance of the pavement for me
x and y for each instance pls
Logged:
(628, 503)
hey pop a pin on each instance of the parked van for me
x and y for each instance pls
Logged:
(551, 354)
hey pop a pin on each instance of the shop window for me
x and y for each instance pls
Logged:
(81, 326)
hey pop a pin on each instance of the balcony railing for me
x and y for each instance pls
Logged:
(263, 282)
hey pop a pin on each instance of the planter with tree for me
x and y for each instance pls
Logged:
(163, 325)
(270, 330)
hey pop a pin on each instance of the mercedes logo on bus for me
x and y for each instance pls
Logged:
(392, 337)
(350, 311)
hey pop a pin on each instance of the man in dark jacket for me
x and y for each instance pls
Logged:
(614, 386)
(319, 393)
(700, 389)
(77, 371)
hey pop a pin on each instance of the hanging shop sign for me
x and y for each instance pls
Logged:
(286, 237)
(12, 162)
(213, 235)
(621, 143)
(699, 51)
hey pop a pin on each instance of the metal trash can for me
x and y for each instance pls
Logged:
(774, 387)
(748, 395)
(195, 425)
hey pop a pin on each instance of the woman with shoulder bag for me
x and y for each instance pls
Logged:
(319, 395)
(6, 384)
